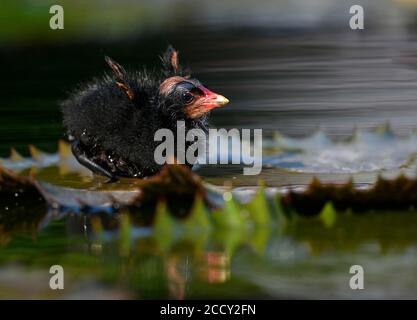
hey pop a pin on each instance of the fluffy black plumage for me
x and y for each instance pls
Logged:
(111, 121)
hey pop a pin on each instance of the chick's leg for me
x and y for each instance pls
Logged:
(88, 163)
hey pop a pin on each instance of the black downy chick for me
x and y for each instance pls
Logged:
(111, 122)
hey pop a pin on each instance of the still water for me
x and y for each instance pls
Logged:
(328, 90)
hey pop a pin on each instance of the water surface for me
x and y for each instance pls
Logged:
(328, 85)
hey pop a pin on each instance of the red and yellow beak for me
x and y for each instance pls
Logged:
(213, 100)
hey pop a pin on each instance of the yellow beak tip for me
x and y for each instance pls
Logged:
(224, 101)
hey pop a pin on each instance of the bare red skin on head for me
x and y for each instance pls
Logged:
(202, 103)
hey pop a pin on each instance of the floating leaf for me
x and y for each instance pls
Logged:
(397, 194)
(78, 198)
(64, 149)
(15, 156)
(177, 184)
(189, 199)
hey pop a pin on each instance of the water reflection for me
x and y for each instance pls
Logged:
(296, 260)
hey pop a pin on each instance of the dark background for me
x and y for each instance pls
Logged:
(290, 66)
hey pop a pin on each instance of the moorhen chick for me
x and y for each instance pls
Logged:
(111, 121)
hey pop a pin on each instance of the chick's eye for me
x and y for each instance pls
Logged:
(187, 97)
